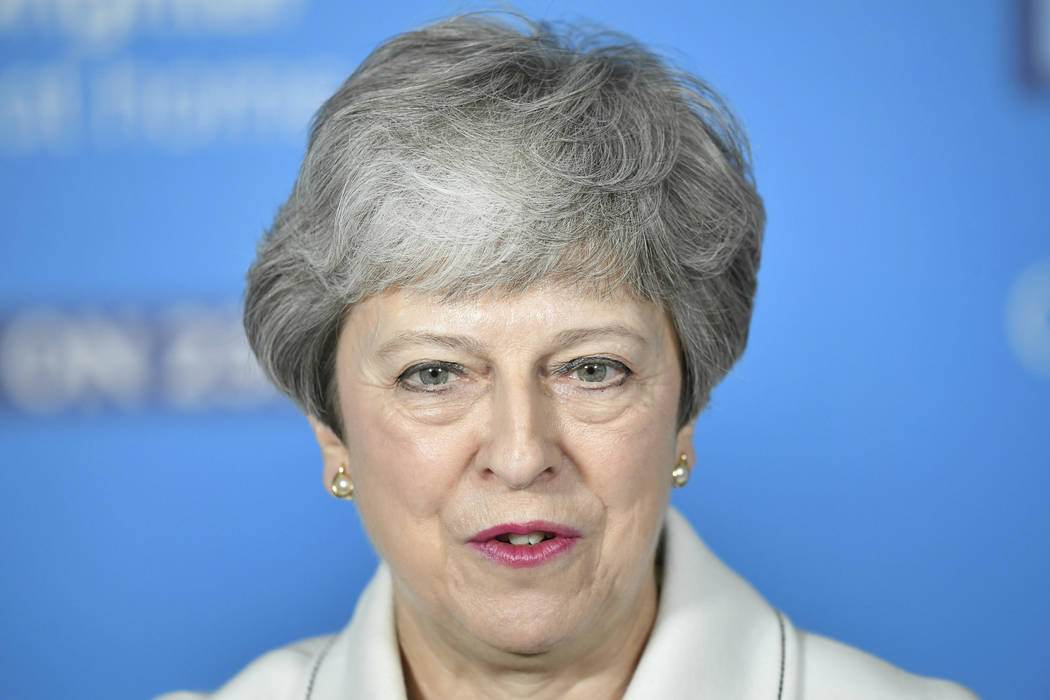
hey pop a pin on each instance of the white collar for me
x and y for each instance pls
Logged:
(714, 637)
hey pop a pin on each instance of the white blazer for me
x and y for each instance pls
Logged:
(714, 638)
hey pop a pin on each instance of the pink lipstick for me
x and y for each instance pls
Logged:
(522, 545)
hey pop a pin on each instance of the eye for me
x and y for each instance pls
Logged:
(590, 372)
(597, 372)
(430, 376)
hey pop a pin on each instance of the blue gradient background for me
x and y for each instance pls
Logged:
(877, 465)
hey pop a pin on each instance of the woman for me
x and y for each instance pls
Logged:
(512, 268)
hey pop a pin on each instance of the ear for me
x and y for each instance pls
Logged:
(333, 451)
(684, 443)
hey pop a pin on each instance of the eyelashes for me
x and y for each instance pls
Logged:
(600, 372)
(590, 373)
(431, 376)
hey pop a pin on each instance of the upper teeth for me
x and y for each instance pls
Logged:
(531, 538)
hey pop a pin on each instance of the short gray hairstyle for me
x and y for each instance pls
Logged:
(481, 154)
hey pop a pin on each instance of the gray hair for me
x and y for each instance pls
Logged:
(475, 155)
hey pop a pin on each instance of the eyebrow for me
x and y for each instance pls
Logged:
(452, 342)
(475, 347)
(579, 335)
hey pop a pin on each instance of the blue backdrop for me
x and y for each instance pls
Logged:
(877, 465)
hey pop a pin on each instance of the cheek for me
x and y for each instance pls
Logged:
(641, 438)
(622, 461)
(634, 473)
(399, 463)
(627, 464)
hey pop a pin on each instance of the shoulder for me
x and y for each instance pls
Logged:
(280, 674)
(831, 670)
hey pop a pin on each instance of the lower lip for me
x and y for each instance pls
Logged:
(522, 556)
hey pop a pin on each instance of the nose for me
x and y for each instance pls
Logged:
(520, 448)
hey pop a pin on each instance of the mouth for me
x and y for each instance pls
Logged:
(531, 539)
(522, 545)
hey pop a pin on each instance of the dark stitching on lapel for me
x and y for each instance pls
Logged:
(316, 668)
(783, 653)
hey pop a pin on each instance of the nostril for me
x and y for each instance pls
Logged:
(518, 476)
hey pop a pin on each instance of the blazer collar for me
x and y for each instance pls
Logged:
(714, 636)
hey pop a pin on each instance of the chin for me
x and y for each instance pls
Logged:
(528, 630)
(524, 642)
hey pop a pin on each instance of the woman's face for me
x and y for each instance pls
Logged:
(550, 412)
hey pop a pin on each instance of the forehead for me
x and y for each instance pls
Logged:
(540, 314)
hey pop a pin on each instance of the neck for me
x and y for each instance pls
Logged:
(597, 663)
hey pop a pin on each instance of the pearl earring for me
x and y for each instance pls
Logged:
(680, 473)
(341, 486)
